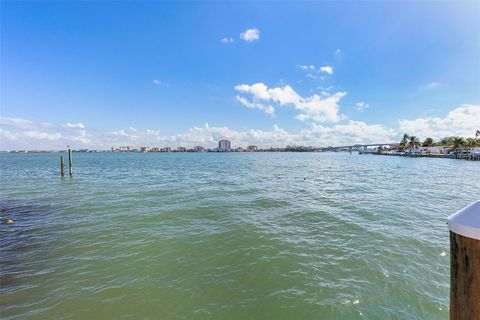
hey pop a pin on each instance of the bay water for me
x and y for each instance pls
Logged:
(229, 235)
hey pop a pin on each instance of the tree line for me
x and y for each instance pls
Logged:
(412, 142)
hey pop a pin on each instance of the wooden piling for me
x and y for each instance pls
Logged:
(62, 166)
(465, 263)
(70, 161)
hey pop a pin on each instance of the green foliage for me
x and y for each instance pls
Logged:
(472, 142)
(453, 142)
(404, 141)
(428, 142)
(413, 143)
(458, 142)
(299, 149)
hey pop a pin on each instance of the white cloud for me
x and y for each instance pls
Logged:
(338, 51)
(314, 108)
(306, 67)
(321, 109)
(430, 86)
(17, 122)
(81, 137)
(160, 83)
(7, 135)
(361, 105)
(266, 108)
(351, 133)
(227, 40)
(327, 69)
(313, 134)
(311, 68)
(34, 134)
(462, 121)
(250, 35)
(325, 88)
(74, 125)
(25, 134)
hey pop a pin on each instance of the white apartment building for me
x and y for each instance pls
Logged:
(224, 145)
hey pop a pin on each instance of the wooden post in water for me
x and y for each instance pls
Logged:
(70, 161)
(62, 167)
(465, 263)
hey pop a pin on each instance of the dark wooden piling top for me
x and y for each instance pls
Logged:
(465, 263)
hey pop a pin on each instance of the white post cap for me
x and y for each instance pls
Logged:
(466, 222)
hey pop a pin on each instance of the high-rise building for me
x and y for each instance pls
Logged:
(224, 145)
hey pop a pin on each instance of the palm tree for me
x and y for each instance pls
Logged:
(446, 141)
(404, 141)
(471, 142)
(428, 142)
(414, 142)
(458, 142)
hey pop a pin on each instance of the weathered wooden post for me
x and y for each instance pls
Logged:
(464, 228)
(62, 167)
(70, 161)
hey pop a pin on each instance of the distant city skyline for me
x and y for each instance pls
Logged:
(101, 74)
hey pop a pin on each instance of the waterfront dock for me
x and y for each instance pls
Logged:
(471, 156)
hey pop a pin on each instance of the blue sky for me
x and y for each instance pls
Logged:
(97, 70)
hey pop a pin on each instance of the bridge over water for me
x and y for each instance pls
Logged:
(357, 147)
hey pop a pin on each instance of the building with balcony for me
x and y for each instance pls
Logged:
(123, 149)
(224, 145)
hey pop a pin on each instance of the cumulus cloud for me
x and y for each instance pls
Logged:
(266, 108)
(24, 134)
(18, 133)
(250, 35)
(208, 136)
(350, 133)
(74, 125)
(361, 105)
(310, 69)
(327, 69)
(16, 122)
(314, 108)
(39, 135)
(7, 135)
(227, 40)
(462, 121)
(58, 137)
(321, 109)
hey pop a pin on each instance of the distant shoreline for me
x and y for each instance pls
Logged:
(455, 155)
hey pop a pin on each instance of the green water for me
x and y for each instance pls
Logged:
(229, 236)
